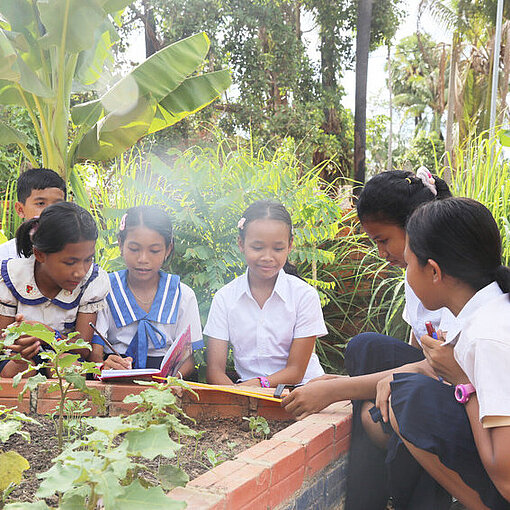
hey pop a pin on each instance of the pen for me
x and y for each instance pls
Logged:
(430, 330)
(108, 344)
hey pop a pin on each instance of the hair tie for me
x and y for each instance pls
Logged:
(426, 178)
(123, 222)
(240, 223)
(409, 180)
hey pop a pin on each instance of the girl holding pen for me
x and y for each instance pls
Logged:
(459, 432)
(146, 308)
(384, 207)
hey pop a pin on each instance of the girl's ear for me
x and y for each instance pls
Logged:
(240, 243)
(437, 274)
(291, 244)
(39, 256)
(169, 250)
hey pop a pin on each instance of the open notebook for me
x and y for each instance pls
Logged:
(178, 352)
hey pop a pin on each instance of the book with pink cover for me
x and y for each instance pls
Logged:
(178, 352)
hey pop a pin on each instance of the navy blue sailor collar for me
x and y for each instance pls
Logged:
(19, 277)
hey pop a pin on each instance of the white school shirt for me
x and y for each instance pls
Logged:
(8, 250)
(19, 294)
(416, 315)
(120, 337)
(481, 338)
(261, 338)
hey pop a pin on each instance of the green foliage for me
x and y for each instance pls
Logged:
(12, 464)
(50, 49)
(206, 192)
(214, 458)
(68, 376)
(258, 426)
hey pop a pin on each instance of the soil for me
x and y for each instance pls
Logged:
(226, 437)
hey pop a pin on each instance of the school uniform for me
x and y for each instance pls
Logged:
(426, 410)
(373, 474)
(261, 338)
(146, 336)
(19, 294)
(8, 250)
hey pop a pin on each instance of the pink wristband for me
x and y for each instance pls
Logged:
(264, 383)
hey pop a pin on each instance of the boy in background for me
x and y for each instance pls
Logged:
(37, 189)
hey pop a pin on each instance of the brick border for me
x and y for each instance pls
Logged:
(300, 463)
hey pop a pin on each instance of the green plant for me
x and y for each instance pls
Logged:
(258, 426)
(214, 458)
(12, 464)
(73, 423)
(50, 49)
(69, 376)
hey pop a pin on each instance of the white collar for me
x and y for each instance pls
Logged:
(19, 276)
(481, 298)
(280, 286)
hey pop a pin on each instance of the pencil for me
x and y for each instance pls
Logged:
(108, 344)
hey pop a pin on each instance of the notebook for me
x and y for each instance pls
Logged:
(178, 352)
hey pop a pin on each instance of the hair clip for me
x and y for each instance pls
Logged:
(123, 222)
(33, 230)
(426, 178)
(240, 223)
(409, 180)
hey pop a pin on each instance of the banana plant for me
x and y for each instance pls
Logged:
(51, 49)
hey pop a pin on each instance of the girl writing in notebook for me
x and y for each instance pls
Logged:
(147, 309)
(270, 317)
(57, 284)
(460, 432)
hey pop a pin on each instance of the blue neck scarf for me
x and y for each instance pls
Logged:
(125, 310)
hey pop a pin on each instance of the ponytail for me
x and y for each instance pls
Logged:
(26, 230)
(292, 270)
(502, 277)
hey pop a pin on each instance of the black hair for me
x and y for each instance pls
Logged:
(391, 197)
(272, 210)
(150, 216)
(38, 178)
(462, 237)
(58, 225)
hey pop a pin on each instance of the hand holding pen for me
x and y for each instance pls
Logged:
(115, 361)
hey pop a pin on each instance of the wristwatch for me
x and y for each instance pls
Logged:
(463, 392)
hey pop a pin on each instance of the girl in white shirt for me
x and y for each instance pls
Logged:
(147, 309)
(58, 284)
(384, 206)
(460, 432)
(270, 317)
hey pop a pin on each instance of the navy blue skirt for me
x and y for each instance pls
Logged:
(373, 474)
(431, 419)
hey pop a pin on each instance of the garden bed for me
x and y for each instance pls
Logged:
(300, 467)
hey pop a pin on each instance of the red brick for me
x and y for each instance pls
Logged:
(214, 411)
(196, 500)
(320, 460)
(282, 458)
(342, 446)
(7, 388)
(274, 412)
(257, 504)
(283, 490)
(118, 391)
(208, 479)
(212, 396)
(22, 407)
(315, 436)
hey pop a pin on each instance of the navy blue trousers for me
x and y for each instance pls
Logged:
(374, 474)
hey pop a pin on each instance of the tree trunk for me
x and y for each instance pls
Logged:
(363, 24)
(451, 108)
(151, 40)
(390, 90)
